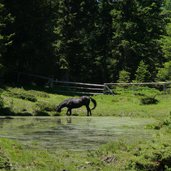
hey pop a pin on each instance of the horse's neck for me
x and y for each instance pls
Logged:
(62, 105)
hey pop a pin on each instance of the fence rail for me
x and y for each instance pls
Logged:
(88, 88)
(79, 88)
(164, 85)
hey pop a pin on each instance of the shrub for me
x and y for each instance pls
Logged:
(27, 97)
(5, 110)
(124, 76)
(4, 162)
(164, 73)
(39, 93)
(164, 123)
(152, 156)
(44, 106)
(149, 100)
(142, 73)
(23, 96)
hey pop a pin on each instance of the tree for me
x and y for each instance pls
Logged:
(32, 44)
(124, 76)
(142, 73)
(138, 26)
(103, 36)
(166, 39)
(5, 37)
(75, 38)
(166, 43)
(164, 73)
(88, 41)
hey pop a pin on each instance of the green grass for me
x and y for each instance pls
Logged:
(138, 155)
(122, 104)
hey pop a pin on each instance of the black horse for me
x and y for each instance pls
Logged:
(76, 103)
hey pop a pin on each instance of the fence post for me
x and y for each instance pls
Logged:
(164, 87)
(106, 87)
(51, 82)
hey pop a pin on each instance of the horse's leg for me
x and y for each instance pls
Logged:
(88, 110)
(69, 112)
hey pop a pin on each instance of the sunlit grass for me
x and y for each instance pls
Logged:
(122, 104)
(124, 154)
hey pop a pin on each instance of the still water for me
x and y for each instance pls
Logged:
(74, 133)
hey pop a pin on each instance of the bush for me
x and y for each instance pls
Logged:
(142, 73)
(40, 94)
(165, 123)
(124, 76)
(27, 97)
(164, 73)
(44, 106)
(149, 100)
(152, 156)
(4, 162)
(23, 96)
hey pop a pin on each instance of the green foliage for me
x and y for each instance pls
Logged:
(166, 41)
(126, 102)
(151, 156)
(136, 35)
(142, 72)
(4, 161)
(149, 100)
(143, 155)
(5, 36)
(165, 123)
(45, 106)
(23, 96)
(39, 93)
(31, 50)
(164, 74)
(124, 76)
(88, 41)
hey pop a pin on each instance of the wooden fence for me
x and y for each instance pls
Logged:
(66, 87)
(163, 86)
(78, 88)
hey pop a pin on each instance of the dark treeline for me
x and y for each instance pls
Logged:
(87, 41)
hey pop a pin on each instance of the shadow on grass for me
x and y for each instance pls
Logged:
(6, 111)
(54, 90)
(41, 88)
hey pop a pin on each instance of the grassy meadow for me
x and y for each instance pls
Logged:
(153, 154)
(23, 102)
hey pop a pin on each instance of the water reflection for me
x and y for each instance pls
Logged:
(76, 133)
(58, 121)
(69, 120)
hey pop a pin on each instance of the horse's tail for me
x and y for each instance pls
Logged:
(94, 102)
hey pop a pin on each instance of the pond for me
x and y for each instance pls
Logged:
(74, 133)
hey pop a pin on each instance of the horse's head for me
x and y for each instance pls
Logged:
(58, 109)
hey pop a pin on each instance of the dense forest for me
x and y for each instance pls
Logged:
(89, 41)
